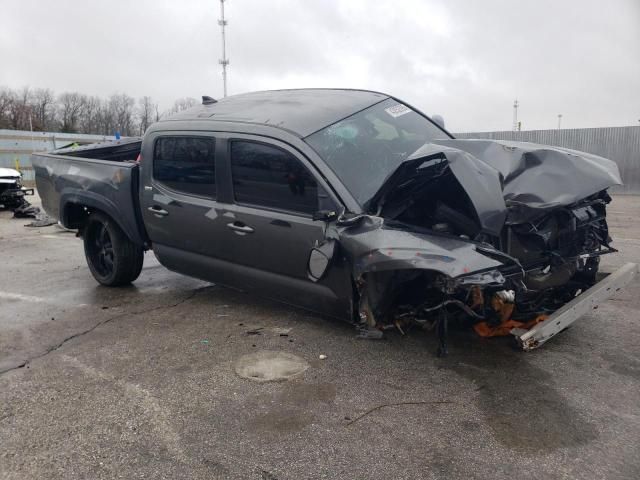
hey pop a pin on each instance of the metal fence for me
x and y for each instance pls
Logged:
(16, 146)
(620, 144)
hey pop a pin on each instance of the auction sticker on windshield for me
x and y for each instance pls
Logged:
(397, 110)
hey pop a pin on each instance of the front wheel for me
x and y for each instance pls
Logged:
(113, 259)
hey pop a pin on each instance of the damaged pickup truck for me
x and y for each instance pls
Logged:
(12, 193)
(350, 203)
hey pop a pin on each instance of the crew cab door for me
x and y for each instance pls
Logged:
(179, 204)
(275, 195)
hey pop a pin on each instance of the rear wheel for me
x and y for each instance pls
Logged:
(112, 258)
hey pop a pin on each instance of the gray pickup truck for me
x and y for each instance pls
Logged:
(350, 203)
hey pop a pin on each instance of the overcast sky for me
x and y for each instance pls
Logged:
(465, 59)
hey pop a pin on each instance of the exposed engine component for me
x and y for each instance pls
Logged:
(554, 256)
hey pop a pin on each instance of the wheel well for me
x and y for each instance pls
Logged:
(76, 216)
(385, 289)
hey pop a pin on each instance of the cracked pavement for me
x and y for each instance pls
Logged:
(139, 382)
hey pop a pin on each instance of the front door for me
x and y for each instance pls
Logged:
(275, 196)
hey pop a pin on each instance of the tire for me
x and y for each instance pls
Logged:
(113, 259)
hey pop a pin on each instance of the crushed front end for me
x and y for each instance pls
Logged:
(451, 237)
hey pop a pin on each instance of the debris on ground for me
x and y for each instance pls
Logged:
(26, 210)
(42, 220)
(397, 404)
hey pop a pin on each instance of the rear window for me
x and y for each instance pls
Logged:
(186, 165)
(267, 176)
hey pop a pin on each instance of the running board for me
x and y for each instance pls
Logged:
(576, 308)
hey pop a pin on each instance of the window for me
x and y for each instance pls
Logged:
(186, 164)
(365, 148)
(270, 177)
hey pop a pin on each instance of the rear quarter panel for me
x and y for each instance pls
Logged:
(97, 184)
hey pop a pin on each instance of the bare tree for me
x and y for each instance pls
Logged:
(7, 97)
(146, 109)
(43, 106)
(183, 104)
(71, 106)
(121, 108)
(157, 114)
(20, 110)
(73, 112)
(92, 116)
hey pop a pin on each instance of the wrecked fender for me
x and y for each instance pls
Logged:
(373, 247)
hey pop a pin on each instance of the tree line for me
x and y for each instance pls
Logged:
(41, 110)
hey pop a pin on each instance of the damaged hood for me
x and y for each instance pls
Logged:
(508, 181)
(540, 176)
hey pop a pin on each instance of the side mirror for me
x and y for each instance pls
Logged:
(439, 120)
(320, 259)
(325, 215)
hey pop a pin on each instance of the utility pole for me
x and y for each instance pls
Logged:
(515, 115)
(559, 120)
(224, 61)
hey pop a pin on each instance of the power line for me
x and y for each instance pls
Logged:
(224, 61)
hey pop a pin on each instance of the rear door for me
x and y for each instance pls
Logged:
(275, 195)
(180, 207)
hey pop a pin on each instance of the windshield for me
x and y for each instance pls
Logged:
(366, 147)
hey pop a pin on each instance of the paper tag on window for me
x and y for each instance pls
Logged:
(397, 110)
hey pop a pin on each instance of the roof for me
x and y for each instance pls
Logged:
(302, 112)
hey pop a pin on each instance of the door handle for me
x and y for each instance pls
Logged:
(240, 227)
(158, 211)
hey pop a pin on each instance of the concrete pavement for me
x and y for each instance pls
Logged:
(139, 382)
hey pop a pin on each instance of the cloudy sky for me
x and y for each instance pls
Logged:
(465, 59)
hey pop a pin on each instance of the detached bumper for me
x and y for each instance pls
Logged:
(576, 308)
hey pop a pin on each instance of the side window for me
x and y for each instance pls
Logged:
(267, 176)
(186, 164)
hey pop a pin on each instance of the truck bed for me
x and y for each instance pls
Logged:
(101, 176)
(117, 151)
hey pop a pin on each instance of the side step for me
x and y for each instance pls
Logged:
(576, 308)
